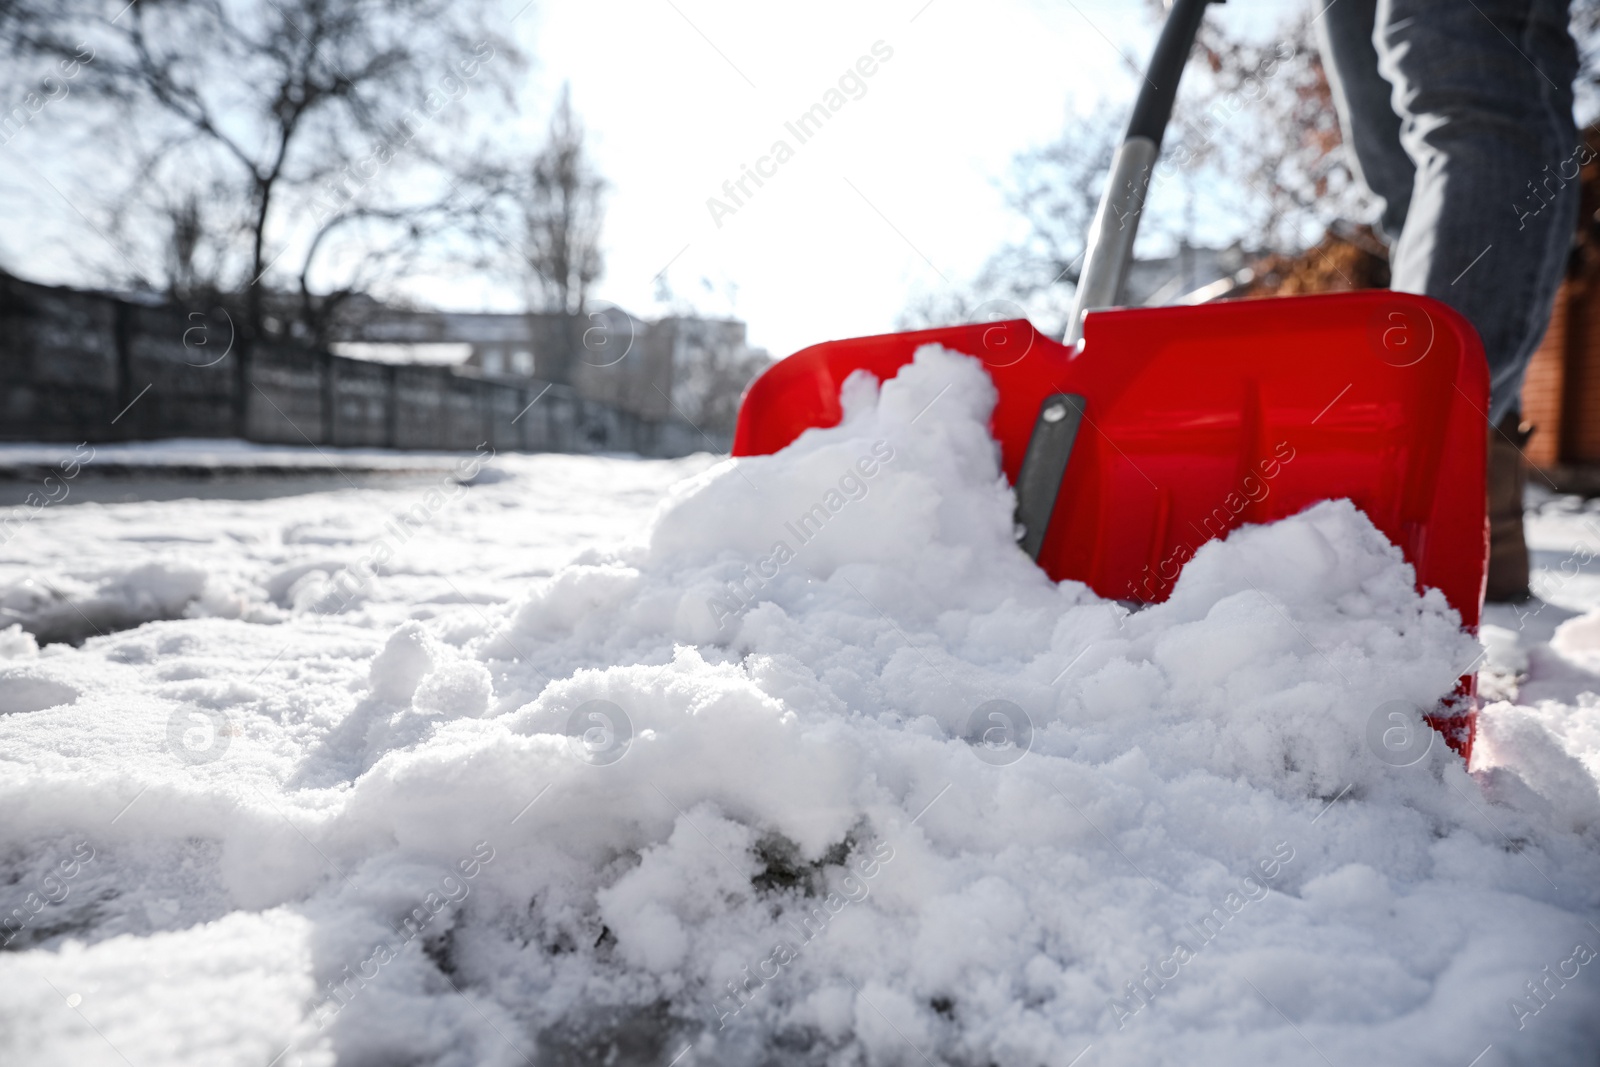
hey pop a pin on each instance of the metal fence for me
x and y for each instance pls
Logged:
(81, 366)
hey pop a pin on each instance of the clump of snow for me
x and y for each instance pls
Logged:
(406, 659)
(17, 643)
(819, 768)
(1579, 638)
(114, 598)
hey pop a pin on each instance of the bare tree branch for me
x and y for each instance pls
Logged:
(268, 119)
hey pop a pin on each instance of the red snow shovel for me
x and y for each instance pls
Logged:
(1151, 431)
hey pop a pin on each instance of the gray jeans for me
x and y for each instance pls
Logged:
(1459, 114)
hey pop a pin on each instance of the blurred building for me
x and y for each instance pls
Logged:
(1163, 280)
(691, 367)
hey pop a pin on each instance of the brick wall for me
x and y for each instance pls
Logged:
(1543, 388)
(1561, 393)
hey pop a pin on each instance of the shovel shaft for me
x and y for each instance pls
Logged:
(1108, 250)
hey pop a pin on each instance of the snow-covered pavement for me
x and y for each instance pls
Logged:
(791, 760)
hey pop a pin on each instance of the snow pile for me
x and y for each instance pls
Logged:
(114, 599)
(821, 770)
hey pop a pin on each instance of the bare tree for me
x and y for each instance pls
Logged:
(1252, 156)
(561, 215)
(269, 138)
(1056, 189)
(1586, 31)
(1256, 123)
(711, 366)
(186, 231)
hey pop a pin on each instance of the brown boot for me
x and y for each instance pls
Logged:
(1508, 552)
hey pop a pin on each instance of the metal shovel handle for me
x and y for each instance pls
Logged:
(1108, 252)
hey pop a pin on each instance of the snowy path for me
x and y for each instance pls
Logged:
(570, 767)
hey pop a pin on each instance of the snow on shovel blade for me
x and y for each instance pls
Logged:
(1194, 421)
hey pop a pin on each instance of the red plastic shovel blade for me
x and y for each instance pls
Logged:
(1200, 419)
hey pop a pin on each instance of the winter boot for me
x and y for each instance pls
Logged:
(1508, 473)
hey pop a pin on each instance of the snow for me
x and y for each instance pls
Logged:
(219, 454)
(790, 759)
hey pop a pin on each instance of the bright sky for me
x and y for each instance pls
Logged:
(899, 193)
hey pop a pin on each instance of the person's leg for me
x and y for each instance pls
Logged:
(1484, 94)
(1508, 547)
(1362, 96)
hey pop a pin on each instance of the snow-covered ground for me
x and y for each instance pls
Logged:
(221, 454)
(613, 761)
(33, 476)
